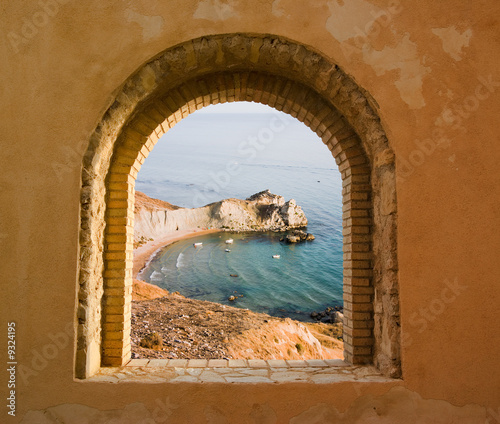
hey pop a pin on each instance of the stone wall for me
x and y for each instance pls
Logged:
(418, 80)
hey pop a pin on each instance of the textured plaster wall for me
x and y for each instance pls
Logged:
(432, 69)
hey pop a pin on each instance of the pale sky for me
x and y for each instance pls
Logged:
(237, 107)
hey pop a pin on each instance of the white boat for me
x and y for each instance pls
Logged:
(197, 244)
(276, 256)
(229, 241)
(227, 250)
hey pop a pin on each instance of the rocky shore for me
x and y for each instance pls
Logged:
(331, 315)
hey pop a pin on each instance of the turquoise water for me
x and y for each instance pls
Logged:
(189, 167)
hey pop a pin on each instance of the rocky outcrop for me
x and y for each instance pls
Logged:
(263, 211)
(297, 236)
(332, 314)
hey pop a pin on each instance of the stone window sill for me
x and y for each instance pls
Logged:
(238, 371)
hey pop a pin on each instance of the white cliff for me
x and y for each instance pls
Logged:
(263, 211)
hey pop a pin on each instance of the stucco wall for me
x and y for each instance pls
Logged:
(432, 70)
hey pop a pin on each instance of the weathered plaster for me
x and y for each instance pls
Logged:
(216, 10)
(349, 18)
(276, 9)
(151, 26)
(68, 413)
(396, 406)
(358, 24)
(405, 59)
(454, 41)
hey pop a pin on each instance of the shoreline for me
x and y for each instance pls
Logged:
(144, 254)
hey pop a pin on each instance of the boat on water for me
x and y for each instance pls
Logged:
(227, 250)
(276, 256)
(197, 244)
(229, 241)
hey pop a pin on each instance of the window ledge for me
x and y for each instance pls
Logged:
(238, 371)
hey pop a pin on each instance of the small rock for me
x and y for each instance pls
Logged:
(339, 317)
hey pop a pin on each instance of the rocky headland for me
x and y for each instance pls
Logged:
(264, 211)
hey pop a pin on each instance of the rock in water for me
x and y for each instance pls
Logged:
(292, 239)
(297, 236)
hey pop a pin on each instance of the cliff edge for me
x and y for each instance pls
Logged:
(198, 329)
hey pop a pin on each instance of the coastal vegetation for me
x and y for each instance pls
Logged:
(168, 325)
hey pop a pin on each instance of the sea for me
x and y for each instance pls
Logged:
(234, 151)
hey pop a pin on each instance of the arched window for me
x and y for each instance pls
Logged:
(228, 68)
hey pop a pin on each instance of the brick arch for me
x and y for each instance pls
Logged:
(227, 68)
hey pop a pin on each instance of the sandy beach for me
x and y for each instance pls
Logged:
(144, 253)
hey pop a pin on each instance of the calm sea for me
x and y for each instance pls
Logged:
(212, 156)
